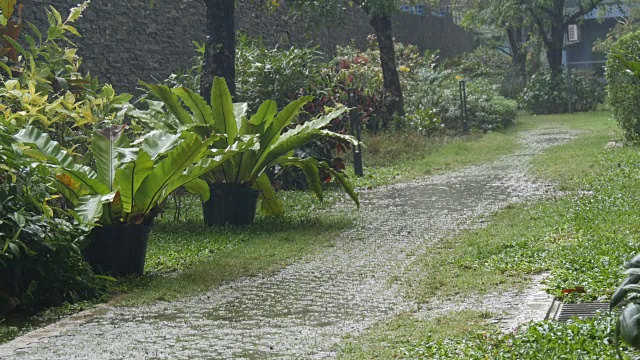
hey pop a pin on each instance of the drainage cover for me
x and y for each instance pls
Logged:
(564, 312)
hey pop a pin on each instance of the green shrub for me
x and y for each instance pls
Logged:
(439, 90)
(548, 94)
(588, 91)
(489, 64)
(40, 260)
(545, 94)
(484, 62)
(41, 83)
(624, 90)
(488, 110)
(281, 75)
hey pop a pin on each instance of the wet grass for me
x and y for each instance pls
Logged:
(582, 241)
(569, 163)
(187, 258)
(470, 338)
(392, 339)
(397, 157)
(394, 158)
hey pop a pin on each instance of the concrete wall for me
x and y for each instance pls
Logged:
(124, 40)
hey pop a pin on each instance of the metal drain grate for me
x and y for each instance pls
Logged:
(564, 312)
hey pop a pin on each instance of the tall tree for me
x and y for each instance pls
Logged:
(503, 17)
(379, 13)
(220, 53)
(551, 18)
(547, 19)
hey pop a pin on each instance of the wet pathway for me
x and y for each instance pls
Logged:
(303, 311)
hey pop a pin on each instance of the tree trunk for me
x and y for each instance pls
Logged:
(519, 54)
(382, 26)
(220, 55)
(555, 44)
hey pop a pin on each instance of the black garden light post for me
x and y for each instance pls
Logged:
(356, 130)
(463, 106)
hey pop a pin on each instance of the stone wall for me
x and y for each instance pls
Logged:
(127, 40)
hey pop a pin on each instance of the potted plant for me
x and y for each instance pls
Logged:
(241, 180)
(125, 188)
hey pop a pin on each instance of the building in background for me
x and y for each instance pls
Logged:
(579, 53)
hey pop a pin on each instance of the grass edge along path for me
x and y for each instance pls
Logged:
(582, 240)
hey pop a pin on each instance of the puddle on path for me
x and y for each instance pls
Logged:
(307, 308)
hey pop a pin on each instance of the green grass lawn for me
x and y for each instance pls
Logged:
(393, 158)
(582, 241)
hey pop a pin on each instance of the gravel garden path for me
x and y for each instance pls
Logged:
(303, 311)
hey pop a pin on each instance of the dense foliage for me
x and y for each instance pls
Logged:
(281, 75)
(40, 259)
(489, 64)
(626, 295)
(579, 339)
(624, 90)
(549, 94)
(440, 90)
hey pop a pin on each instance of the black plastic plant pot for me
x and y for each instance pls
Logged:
(118, 250)
(230, 205)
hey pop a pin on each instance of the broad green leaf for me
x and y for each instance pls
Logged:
(129, 178)
(633, 288)
(54, 32)
(42, 142)
(158, 143)
(199, 108)
(294, 139)
(621, 292)
(338, 176)
(56, 15)
(90, 207)
(309, 167)
(270, 204)
(87, 184)
(345, 183)
(153, 189)
(6, 68)
(342, 137)
(223, 110)
(282, 120)
(17, 46)
(217, 157)
(630, 325)
(71, 29)
(76, 12)
(199, 187)
(104, 147)
(171, 101)
(265, 115)
(35, 30)
(240, 113)
(6, 6)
